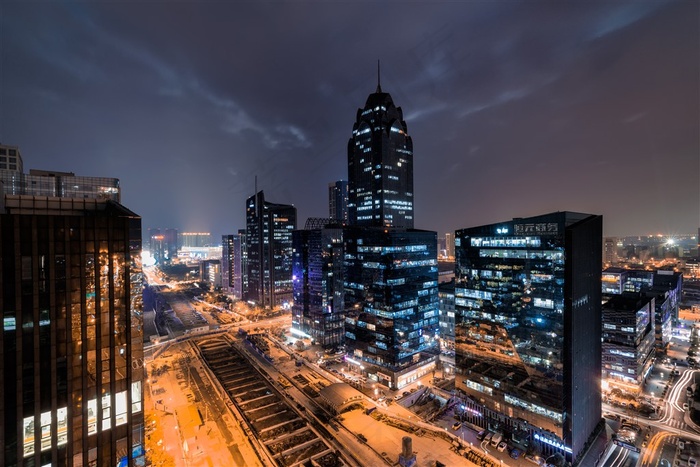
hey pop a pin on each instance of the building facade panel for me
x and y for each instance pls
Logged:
(72, 337)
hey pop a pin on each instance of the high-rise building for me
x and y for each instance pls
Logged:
(391, 270)
(269, 229)
(380, 166)
(610, 251)
(228, 258)
(317, 275)
(72, 343)
(446, 295)
(338, 201)
(528, 329)
(391, 296)
(240, 265)
(450, 245)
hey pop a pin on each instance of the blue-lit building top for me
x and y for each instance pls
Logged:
(391, 296)
(380, 166)
(317, 277)
(528, 327)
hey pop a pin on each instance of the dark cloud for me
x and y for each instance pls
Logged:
(515, 108)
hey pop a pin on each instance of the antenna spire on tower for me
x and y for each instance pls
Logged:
(379, 82)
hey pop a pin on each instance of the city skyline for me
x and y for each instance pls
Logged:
(593, 110)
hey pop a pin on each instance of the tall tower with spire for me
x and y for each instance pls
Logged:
(390, 273)
(380, 165)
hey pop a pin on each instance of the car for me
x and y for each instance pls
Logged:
(502, 446)
(644, 444)
(456, 426)
(480, 435)
(685, 406)
(515, 453)
(681, 444)
(692, 462)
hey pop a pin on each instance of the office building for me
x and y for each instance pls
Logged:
(446, 296)
(665, 286)
(450, 245)
(240, 265)
(268, 236)
(391, 296)
(210, 272)
(194, 239)
(528, 328)
(338, 201)
(317, 275)
(380, 166)
(610, 257)
(391, 269)
(72, 343)
(228, 258)
(628, 342)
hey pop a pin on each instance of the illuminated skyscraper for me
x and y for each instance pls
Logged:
(269, 229)
(72, 337)
(528, 328)
(391, 269)
(380, 166)
(227, 262)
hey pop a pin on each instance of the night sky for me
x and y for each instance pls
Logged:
(515, 108)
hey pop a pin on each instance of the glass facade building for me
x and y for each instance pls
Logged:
(380, 166)
(71, 346)
(665, 286)
(528, 328)
(628, 342)
(338, 201)
(391, 296)
(269, 229)
(59, 184)
(317, 275)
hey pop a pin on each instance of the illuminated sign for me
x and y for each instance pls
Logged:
(502, 230)
(551, 442)
(545, 228)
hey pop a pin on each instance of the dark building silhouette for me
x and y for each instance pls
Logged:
(72, 341)
(338, 201)
(318, 309)
(268, 236)
(528, 328)
(380, 166)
